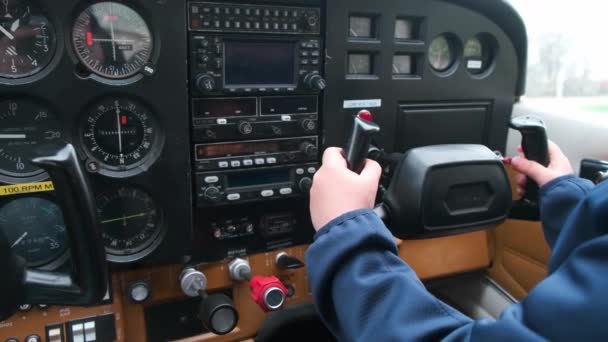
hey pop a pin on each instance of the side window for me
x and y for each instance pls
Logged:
(568, 57)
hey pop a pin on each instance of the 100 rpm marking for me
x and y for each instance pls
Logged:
(121, 135)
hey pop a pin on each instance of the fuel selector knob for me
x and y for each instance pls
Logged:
(212, 194)
(205, 83)
(309, 125)
(305, 185)
(309, 149)
(245, 128)
(315, 82)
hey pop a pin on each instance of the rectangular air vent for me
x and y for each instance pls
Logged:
(362, 27)
(408, 28)
(360, 64)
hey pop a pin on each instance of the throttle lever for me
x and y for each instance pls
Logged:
(535, 146)
(360, 140)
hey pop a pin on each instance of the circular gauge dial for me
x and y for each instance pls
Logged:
(23, 126)
(441, 53)
(478, 54)
(131, 223)
(35, 230)
(27, 39)
(121, 135)
(112, 40)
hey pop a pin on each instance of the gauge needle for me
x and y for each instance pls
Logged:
(6, 33)
(124, 218)
(119, 129)
(15, 25)
(13, 136)
(19, 240)
(113, 36)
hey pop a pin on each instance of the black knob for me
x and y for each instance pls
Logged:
(205, 83)
(309, 149)
(305, 185)
(315, 82)
(218, 314)
(245, 128)
(309, 125)
(286, 262)
(212, 194)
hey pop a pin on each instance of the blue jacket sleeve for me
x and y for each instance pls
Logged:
(365, 292)
(558, 199)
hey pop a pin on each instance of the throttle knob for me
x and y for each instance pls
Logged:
(205, 83)
(315, 82)
(268, 292)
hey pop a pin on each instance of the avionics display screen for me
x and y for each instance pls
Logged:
(235, 150)
(241, 180)
(259, 63)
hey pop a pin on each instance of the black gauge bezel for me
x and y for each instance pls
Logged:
(131, 170)
(60, 260)
(84, 72)
(456, 48)
(40, 175)
(155, 241)
(490, 48)
(56, 53)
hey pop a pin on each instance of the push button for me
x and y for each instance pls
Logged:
(312, 170)
(299, 172)
(286, 191)
(212, 179)
(271, 160)
(235, 163)
(33, 338)
(233, 197)
(223, 164)
(260, 161)
(248, 162)
(267, 193)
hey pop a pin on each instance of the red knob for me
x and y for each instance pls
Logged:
(366, 115)
(268, 292)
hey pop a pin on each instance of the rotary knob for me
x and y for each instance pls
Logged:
(310, 150)
(315, 82)
(212, 194)
(245, 128)
(305, 185)
(309, 125)
(205, 83)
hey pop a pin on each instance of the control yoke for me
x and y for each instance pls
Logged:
(88, 282)
(535, 146)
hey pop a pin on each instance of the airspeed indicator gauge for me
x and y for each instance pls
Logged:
(121, 137)
(27, 39)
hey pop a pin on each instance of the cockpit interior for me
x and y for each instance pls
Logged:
(156, 159)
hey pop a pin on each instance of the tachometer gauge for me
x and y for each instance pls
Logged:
(35, 230)
(112, 40)
(23, 126)
(122, 136)
(441, 53)
(131, 223)
(27, 39)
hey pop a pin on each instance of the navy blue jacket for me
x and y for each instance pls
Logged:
(365, 292)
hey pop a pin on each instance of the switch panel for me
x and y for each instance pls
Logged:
(93, 329)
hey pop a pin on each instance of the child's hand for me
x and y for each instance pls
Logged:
(559, 166)
(336, 190)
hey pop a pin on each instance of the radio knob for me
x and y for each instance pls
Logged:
(245, 128)
(212, 194)
(309, 125)
(310, 150)
(205, 83)
(315, 82)
(305, 185)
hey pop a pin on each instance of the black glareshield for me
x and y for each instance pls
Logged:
(359, 143)
(88, 282)
(535, 146)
